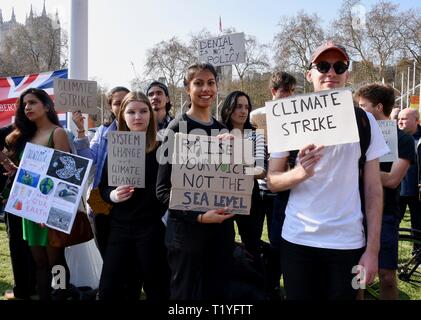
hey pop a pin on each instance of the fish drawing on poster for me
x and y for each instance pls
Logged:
(390, 133)
(68, 167)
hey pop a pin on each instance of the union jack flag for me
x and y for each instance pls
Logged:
(12, 87)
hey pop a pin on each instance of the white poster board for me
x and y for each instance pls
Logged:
(227, 49)
(206, 185)
(390, 134)
(75, 95)
(321, 118)
(48, 187)
(126, 158)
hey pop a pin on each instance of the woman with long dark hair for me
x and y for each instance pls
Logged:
(36, 121)
(235, 115)
(200, 245)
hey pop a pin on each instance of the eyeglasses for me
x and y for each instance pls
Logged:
(323, 67)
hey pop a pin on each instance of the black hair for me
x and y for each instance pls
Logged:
(230, 103)
(25, 129)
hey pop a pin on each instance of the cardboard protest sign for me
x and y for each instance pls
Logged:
(227, 49)
(48, 187)
(390, 134)
(75, 95)
(200, 184)
(126, 158)
(322, 118)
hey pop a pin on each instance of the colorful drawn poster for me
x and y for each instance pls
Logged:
(48, 187)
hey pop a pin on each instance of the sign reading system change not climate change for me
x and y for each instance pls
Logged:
(126, 158)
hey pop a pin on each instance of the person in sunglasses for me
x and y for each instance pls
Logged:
(323, 238)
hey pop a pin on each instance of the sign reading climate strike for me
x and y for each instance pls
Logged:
(321, 118)
(126, 158)
(75, 95)
(200, 184)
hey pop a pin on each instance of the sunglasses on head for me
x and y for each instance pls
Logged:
(323, 67)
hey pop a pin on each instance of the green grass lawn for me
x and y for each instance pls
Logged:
(6, 277)
(407, 291)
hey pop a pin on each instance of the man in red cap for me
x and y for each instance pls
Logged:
(323, 235)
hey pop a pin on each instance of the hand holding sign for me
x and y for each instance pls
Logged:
(309, 156)
(78, 119)
(215, 216)
(121, 194)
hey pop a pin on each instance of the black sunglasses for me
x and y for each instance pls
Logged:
(323, 67)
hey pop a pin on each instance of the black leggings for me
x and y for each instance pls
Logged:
(135, 255)
(45, 259)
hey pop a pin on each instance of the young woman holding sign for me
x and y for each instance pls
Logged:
(235, 114)
(36, 122)
(96, 150)
(136, 230)
(200, 245)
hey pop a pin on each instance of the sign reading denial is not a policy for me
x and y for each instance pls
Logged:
(75, 95)
(126, 158)
(207, 185)
(228, 49)
(321, 118)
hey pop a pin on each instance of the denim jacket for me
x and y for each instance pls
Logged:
(96, 150)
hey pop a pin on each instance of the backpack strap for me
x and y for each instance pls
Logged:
(364, 131)
(292, 158)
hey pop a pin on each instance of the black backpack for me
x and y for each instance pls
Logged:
(364, 131)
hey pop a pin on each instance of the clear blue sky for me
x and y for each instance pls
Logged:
(120, 31)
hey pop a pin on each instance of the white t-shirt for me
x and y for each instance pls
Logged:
(324, 211)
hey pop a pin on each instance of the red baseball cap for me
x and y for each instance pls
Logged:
(329, 45)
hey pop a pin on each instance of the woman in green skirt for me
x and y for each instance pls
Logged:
(36, 121)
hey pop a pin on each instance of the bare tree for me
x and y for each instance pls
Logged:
(409, 32)
(298, 37)
(40, 48)
(351, 33)
(169, 60)
(382, 36)
(257, 60)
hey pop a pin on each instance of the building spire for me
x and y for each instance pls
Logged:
(1, 16)
(44, 12)
(31, 13)
(57, 18)
(13, 19)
